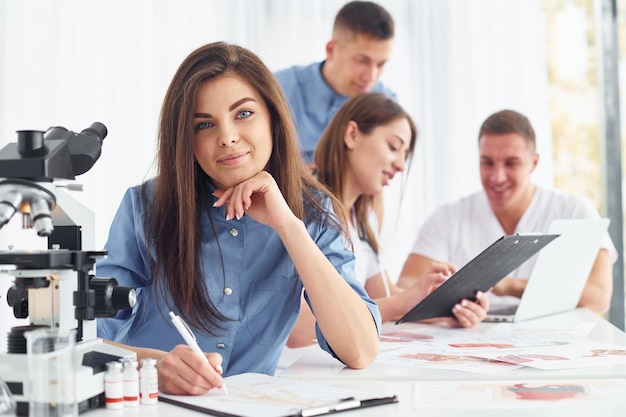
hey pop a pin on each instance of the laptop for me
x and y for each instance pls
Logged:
(560, 273)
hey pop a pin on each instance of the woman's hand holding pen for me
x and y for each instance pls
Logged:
(260, 198)
(183, 372)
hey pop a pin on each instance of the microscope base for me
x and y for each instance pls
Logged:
(90, 361)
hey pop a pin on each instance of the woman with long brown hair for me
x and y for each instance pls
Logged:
(229, 232)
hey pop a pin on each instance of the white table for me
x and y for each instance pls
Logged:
(312, 364)
(405, 407)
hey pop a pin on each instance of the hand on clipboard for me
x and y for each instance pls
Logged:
(480, 274)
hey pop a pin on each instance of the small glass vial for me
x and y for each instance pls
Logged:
(149, 382)
(131, 383)
(114, 386)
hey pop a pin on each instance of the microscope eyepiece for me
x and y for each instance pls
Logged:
(85, 147)
(30, 142)
(96, 129)
(57, 153)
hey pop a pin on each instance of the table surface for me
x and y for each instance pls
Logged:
(313, 363)
(409, 383)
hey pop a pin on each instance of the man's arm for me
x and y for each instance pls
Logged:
(599, 287)
(514, 287)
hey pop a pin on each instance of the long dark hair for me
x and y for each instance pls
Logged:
(174, 214)
(368, 111)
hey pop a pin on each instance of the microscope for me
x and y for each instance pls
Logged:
(56, 288)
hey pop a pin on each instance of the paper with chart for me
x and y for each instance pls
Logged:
(259, 395)
(520, 394)
(501, 349)
(436, 357)
(579, 355)
(394, 336)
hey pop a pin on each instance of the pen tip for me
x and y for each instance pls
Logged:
(172, 315)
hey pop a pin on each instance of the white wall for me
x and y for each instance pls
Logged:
(72, 62)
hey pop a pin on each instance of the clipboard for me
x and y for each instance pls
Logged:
(260, 395)
(479, 274)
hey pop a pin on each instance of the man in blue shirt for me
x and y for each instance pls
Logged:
(355, 57)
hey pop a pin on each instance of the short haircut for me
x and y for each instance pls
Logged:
(509, 121)
(365, 18)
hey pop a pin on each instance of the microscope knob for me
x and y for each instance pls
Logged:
(123, 298)
(111, 297)
(20, 309)
(17, 297)
(16, 342)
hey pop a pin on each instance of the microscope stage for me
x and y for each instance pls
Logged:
(44, 259)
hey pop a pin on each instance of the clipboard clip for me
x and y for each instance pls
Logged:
(342, 405)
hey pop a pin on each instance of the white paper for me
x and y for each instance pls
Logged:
(259, 395)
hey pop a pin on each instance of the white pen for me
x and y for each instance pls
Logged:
(190, 339)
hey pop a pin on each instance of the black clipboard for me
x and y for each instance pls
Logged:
(479, 274)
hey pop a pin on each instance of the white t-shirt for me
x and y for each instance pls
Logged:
(459, 231)
(366, 260)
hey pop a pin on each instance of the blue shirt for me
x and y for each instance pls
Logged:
(313, 102)
(260, 291)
